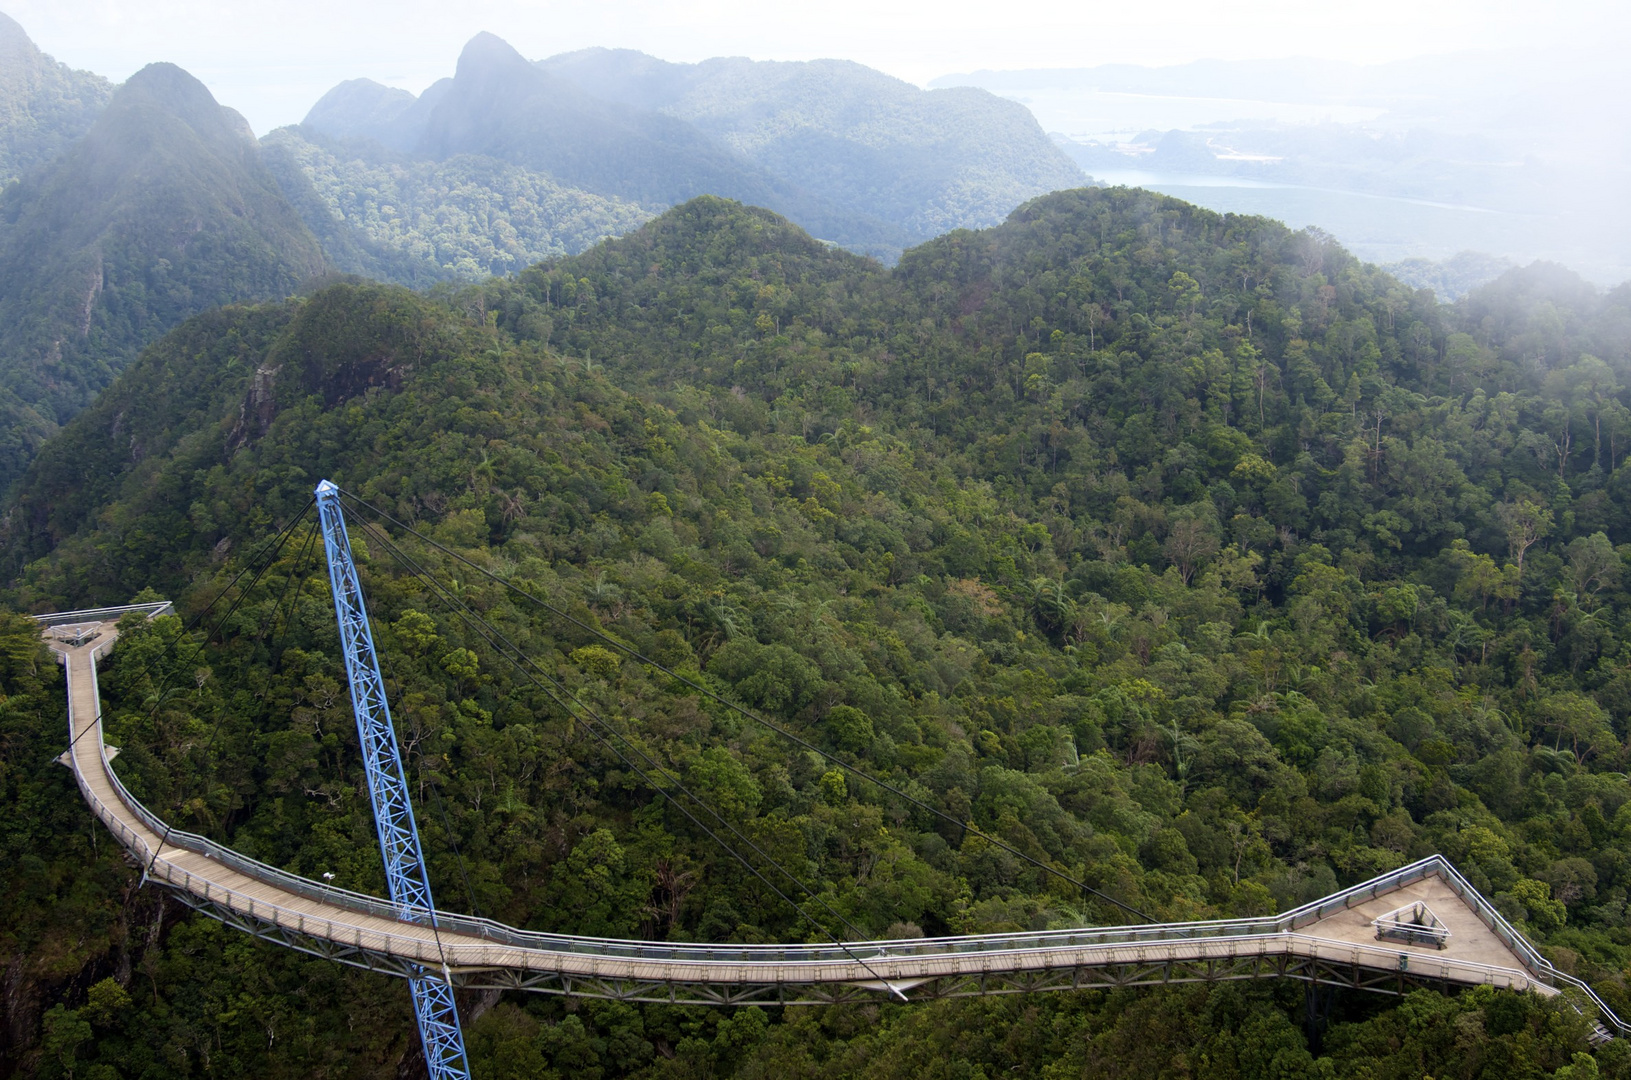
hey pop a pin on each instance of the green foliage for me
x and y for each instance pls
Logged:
(597, 660)
(1536, 898)
(851, 728)
(44, 105)
(161, 211)
(1256, 590)
(466, 217)
(928, 161)
(509, 161)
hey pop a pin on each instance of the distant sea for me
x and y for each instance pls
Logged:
(1384, 229)
(1108, 116)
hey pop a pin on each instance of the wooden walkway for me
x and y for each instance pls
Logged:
(1334, 941)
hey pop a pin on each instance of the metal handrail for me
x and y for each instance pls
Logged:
(1256, 931)
(102, 614)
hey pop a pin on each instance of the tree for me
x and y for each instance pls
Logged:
(1051, 604)
(1578, 722)
(1186, 292)
(1526, 524)
(1590, 387)
(1545, 913)
(1593, 565)
(1191, 542)
(1466, 360)
(1478, 578)
(850, 727)
(65, 1032)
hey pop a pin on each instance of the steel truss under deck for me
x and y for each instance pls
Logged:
(1254, 965)
(445, 951)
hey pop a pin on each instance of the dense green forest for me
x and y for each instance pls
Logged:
(851, 154)
(44, 105)
(162, 210)
(1184, 553)
(468, 217)
(928, 160)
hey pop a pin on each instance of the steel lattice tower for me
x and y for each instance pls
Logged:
(433, 1004)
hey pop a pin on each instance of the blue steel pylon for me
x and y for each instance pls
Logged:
(433, 1004)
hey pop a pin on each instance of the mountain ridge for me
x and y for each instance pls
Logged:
(786, 136)
(44, 105)
(163, 209)
(933, 159)
(1212, 566)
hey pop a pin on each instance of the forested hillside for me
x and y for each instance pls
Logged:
(1184, 553)
(850, 154)
(161, 211)
(929, 160)
(468, 217)
(1452, 278)
(126, 210)
(44, 105)
(500, 106)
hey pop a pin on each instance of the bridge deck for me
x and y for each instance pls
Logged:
(1332, 941)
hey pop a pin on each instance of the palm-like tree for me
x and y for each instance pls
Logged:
(606, 595)
(716, 622)
(1050, 603)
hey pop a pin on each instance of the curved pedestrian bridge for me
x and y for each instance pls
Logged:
(1420, 925)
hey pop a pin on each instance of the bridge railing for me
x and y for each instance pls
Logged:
(1432, 866)
(102, 614)
(1237, 930)
(1233, 930)
(1438, 865)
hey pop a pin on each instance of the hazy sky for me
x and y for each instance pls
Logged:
(272, 60)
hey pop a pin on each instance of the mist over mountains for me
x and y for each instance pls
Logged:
(162, 210)
(1517, 154)
(44, 105)
(136, 207)
(955, 158)
(858, 158)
